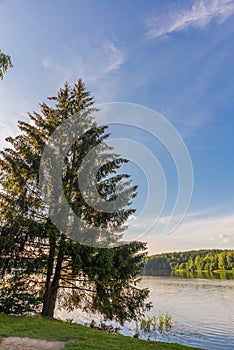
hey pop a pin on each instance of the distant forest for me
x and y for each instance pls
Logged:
(200, 260)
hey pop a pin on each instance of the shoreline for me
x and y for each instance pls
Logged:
(75, 336)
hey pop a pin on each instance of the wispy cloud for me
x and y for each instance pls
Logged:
(199, 16)
(115, 57)
(10, 112)
(199, 230)
(226, 237)
(107, 58)
(95, 65)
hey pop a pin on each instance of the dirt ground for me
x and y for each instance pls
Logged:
(15, 343)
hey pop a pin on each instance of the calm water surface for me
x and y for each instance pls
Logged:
(202, 309)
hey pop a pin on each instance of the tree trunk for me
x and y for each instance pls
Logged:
(52, 291)
(49, 274)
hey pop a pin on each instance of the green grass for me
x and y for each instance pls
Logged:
(75, 337)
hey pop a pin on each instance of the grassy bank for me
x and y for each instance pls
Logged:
(74, 336)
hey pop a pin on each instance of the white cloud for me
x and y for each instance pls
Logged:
(199, 16)
(226, 237)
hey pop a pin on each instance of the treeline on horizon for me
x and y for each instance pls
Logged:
(200, 260)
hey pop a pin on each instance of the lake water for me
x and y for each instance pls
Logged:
(202, 309)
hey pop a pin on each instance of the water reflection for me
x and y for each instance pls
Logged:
(222, 275)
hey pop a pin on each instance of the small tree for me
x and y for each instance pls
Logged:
(5, 63)
(42, 266)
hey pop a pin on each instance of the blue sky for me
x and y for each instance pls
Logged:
(175, 57)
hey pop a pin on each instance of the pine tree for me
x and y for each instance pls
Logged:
(41, 266)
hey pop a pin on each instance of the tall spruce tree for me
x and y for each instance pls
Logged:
(42, 266)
